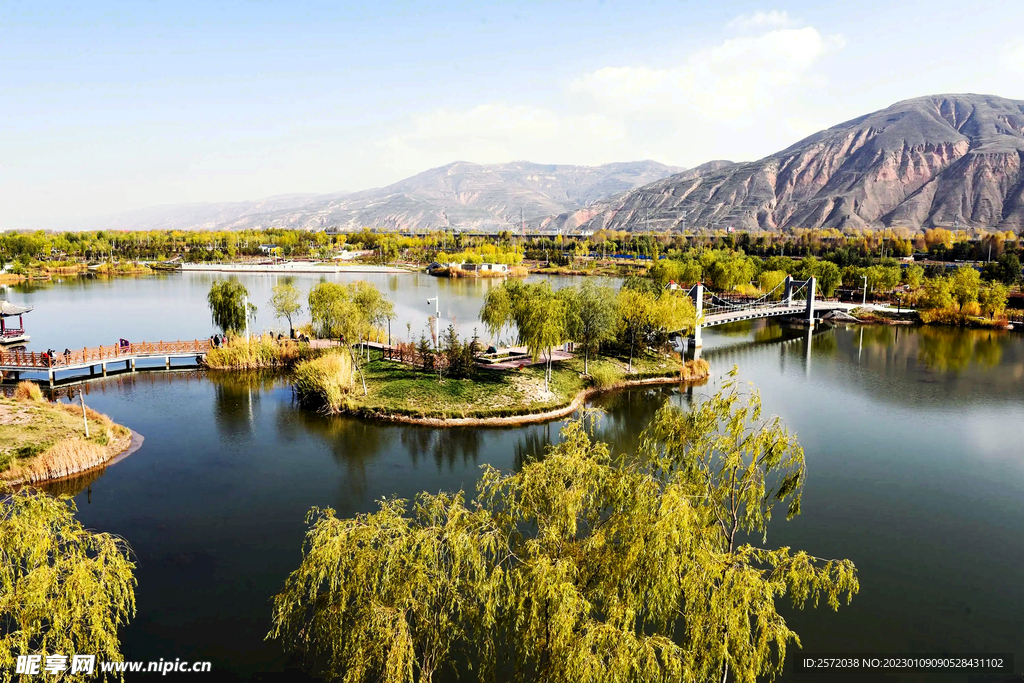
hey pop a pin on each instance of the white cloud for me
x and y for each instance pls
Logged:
(762, 20)
(1012, 55)
(736, 99)
(732, 81)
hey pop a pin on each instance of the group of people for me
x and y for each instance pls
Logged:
(50, 354)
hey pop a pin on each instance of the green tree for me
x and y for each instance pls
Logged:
(938, 293)
(375, 308)
(543, 327)
(965, 284)
(913, 275)
(646, 318)
(829, 277)
(636, 318)
(770, 279)
(590, 316)
(1009, 267)
(500, 307)
(227, 305)
(578, 567)
(286, 300)
(336, 316)
(992, 299)
(63, 589)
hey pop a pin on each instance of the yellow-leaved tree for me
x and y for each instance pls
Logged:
(64, 590)
(581, 566)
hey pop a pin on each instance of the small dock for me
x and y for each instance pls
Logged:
(100, 360)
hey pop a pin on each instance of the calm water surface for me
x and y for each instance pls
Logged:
(913, 442)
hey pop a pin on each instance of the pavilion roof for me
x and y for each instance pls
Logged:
(7, 308)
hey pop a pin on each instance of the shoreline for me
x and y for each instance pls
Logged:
(525, 418)
(114, 452)
(288, 268)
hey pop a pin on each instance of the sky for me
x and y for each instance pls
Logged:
(107, 107)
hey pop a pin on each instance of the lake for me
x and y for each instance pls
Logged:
(915, 467)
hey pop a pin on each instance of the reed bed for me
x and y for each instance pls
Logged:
(257, 353)
(325, 382)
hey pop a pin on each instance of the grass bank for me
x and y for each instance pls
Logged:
(401, 393)
(257, 353)
(40, 440)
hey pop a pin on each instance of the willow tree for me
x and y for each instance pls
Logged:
(646, 318)
(590, 315)
(542, 327)
(63, 589)
(228, 305)
(581, 566)
(335, 315)
(374, 307)
(286, 300)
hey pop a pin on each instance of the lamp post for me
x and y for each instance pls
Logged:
(437, 318)
(864, 301)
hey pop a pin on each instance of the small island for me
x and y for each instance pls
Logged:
(40, 440)
(570, 344)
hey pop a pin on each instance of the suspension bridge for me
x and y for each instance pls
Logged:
(784, 300)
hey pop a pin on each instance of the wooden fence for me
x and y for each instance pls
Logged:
(102, 354)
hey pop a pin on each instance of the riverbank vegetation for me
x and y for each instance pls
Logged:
(580, 565)
(259, 352)
(42, 440)
(66, 590)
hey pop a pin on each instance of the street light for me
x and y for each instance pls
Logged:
(864, 301)
(437, 317)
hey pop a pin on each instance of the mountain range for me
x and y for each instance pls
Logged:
(460, 195)
(943, 160)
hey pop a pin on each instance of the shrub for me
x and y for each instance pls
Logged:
(694, 369)
(28, 391)
(603, 376)
(324, 381)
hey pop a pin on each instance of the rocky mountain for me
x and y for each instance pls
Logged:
(467, 196)
(924, 162)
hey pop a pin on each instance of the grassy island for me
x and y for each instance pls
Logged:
(400, 392)
(40, 440)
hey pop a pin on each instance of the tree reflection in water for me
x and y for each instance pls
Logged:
(444, 446)
(353, 443)
(944, 349)
(237, 399)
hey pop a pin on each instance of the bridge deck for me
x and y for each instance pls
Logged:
(750, 314)
(88, 358)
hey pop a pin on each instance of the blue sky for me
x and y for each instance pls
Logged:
(108, 107)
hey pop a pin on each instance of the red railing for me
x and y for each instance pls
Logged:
(42, 360)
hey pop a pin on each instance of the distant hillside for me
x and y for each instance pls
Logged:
(929, 161)
(200, 216)
(468, 196)
(461, 195)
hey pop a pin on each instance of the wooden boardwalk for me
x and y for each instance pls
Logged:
(13, 363)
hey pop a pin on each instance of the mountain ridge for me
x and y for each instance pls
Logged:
(459, 194)
(923, 162)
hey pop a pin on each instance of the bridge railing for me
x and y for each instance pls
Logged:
(100, 354)
(716, 304)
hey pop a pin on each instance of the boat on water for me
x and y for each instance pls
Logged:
(9, 334)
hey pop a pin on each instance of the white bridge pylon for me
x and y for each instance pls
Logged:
(713, 309)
